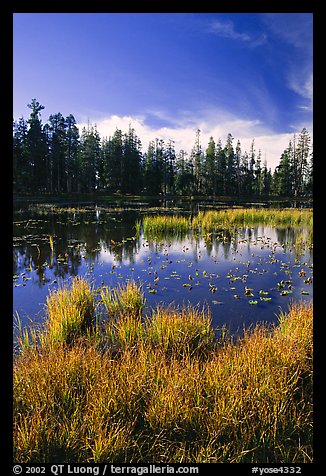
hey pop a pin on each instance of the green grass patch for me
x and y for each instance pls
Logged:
(212, 219)
(161, 226)
(164, 225)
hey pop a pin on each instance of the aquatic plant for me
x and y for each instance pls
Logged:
(213, 219)
(163, 225)
(51, 243)
(159, 226)
(138, 228)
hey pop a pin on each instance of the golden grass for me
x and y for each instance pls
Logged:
(210, 220)
(171, 395)
(181, 332)
(124, 300)
(162, 225)
(70, 312)
(124, 306)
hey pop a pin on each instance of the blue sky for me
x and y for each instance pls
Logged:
(168, 74)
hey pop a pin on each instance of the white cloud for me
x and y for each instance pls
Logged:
(302, 85)
(183, 130)
(295, 30)
(226, 29)
(292, 28)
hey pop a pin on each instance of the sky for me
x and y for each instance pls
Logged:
(168, 74)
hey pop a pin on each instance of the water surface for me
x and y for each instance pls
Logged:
(245, 275)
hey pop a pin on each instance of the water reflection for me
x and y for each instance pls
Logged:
(101, 244)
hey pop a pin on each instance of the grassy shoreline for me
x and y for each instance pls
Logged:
(159, 388)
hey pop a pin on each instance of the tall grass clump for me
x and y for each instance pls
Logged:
(169, 395)
(162, 225)
(212, 219)
(180, 332)
(70, 312)
(138, 228)
(124, 300)
(261, 405)
(124, 306)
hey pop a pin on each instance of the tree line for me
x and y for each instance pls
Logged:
(55, 158)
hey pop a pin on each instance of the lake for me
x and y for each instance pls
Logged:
(244, 274)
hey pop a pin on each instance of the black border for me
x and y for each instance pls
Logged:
(236, 6)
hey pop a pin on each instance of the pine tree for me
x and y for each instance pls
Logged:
(220, 169)
(284, 182)
(231, 185)
(72, 153)
(310, 172)
(197, 160)
(131, 163)
(105, 166)
(258, 181)
(22, 179)
(115, 162)
(154, 167)
(251, 169)
(301, 162)
(54, 158)
(209, 169)
(90, 153)
(58, 150)
(169, 168)
(237, 162)
(266, 180)
(184, 175)
(149, 170)
(246, 184)
(36, 147)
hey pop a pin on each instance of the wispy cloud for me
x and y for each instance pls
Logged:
(295, 30)
(226, 29)
(302, 84)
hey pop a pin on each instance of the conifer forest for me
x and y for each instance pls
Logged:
(53, 157)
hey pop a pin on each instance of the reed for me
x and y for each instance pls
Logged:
(212, 219)
(124, 300)
(124, 306)
(169, 395)
(70, 312)
(51, 243)
(186, 331)
(138, 228)
(162, 225)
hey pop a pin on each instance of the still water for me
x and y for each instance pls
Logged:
(245, 275)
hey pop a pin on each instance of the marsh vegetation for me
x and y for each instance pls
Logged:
(160, 388)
